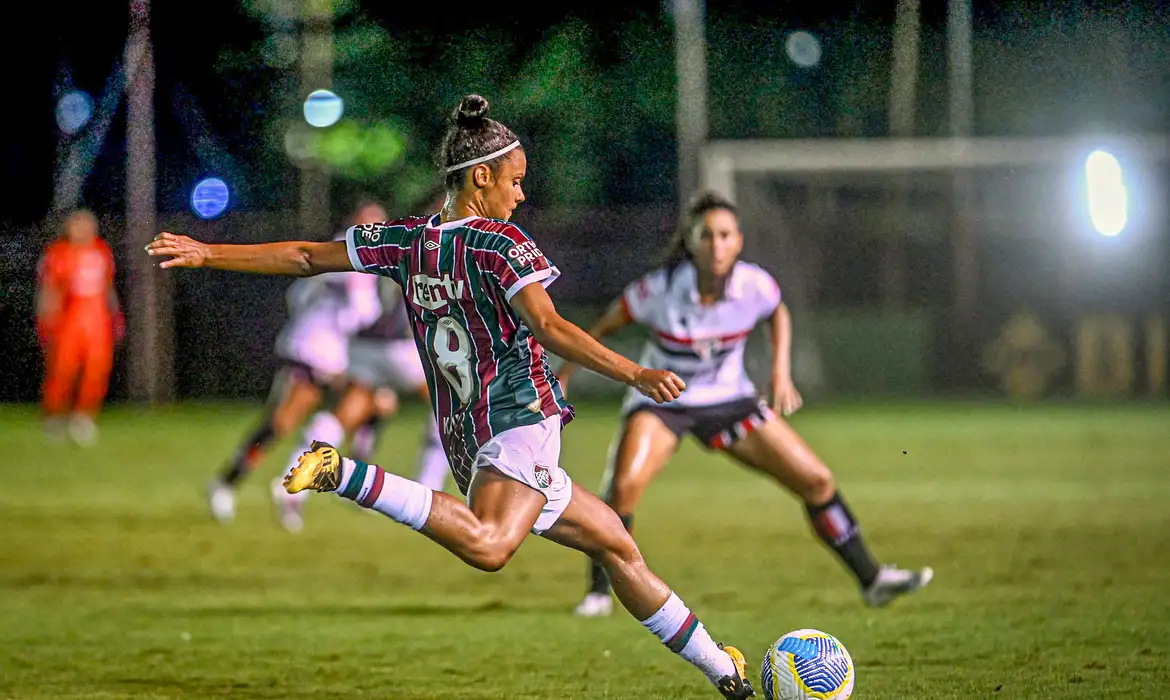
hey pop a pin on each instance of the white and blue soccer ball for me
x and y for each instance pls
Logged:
(807, 665)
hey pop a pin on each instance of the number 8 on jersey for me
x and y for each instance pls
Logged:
(454, 362)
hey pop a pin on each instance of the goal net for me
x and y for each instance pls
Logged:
(1033, 266)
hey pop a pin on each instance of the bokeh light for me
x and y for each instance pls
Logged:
(210, 197)
(74, 110)
(803, 49)
(323, 108)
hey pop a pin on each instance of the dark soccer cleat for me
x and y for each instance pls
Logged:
(893, 582)
(735, 687)
(319, 469)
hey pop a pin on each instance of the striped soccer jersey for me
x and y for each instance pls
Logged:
(486, 371)
(704, 345)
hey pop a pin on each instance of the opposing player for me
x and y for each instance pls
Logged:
(700, 307)
(475, 288)
(383, 364)
(313, 352)
(78, 322)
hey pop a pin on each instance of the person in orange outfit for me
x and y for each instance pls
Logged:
(78, 321)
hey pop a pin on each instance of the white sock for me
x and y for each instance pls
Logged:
(682, 633)
(402, 500)
(323, 426)
(433, 467)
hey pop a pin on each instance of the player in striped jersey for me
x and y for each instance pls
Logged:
(312, 350)
(474, 285)
(700, 307)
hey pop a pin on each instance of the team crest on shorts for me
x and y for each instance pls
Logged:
(543, 476)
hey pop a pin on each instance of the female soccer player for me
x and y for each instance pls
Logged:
(700, 307)
(313, 352)
(474, 284)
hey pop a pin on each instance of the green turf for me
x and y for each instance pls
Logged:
(1048, 528)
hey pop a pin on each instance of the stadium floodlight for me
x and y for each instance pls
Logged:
(1105, 193)
(323, 108)
(210, 197)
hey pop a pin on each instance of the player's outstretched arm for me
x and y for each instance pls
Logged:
(293, 258)
(615, 318)
(576, 346)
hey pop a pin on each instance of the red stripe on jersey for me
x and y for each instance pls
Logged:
(540, 382)
(692, 341)
(626, 308)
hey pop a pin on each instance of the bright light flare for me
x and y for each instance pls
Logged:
(1107, 197)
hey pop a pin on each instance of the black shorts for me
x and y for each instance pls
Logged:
(303, 373)
(716, 426)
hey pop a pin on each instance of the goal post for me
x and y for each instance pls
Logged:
(868, 230)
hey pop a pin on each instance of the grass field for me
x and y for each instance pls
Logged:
(1048, 529)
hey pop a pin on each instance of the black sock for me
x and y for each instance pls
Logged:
(835, 525)
(598, 581)
(249, 454)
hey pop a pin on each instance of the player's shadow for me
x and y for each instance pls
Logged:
(365, 611)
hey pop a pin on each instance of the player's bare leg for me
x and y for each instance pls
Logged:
(778, 451)
(640, 453)
(590, 526)
(484, 533)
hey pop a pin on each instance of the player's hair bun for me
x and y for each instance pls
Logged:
(472, 112)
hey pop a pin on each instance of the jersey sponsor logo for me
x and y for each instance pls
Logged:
(431, 245)
(433, 293)
(543, 475)
(371, 233)
(524, 253)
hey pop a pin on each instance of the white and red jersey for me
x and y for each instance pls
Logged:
(702, 344)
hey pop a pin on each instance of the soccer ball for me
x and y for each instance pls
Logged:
(807, 665)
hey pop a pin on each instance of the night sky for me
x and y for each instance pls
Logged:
(84, 41)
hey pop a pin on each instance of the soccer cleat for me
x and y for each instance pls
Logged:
(893, 582)
(735, 687)
(56, 429)
(319, 469)
(221, 500)
(83, 430)
(288, 506)
(595, 605)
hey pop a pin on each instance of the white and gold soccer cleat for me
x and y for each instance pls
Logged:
(735, 687)
(319, 469)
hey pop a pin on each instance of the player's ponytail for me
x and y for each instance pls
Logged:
(701, 204)
(473, 138)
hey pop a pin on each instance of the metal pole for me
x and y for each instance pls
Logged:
(690, 46)
(961, 116)
(904, 73)
(149, 300)
(316, 74)
(902, 103)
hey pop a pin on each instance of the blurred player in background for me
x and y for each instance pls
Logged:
(700, 307)
(383, 364)
(312, 347)
(78, 322)
(482, 318)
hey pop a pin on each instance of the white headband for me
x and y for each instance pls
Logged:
(484, 159)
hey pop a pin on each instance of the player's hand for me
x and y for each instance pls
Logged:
(787, 399)
(659, 384)
(183, 251)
